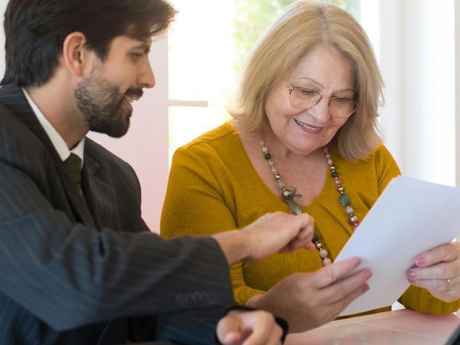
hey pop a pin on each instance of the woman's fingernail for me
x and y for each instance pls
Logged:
(365, 288)
(411, 274)
(367, 274)
(420, 260)
(356, 261)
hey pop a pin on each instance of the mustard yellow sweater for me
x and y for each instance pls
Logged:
(214, 187)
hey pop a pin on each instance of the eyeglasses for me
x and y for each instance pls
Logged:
(305, 99)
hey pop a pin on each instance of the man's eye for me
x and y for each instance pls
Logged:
(136, 56)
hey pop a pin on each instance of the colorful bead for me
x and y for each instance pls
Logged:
(335, 174)
(337, 181)
(286, 193)
(326, 262)
(268, 156)
(344, 199)
(323, 253)
(353, 220)
(281, 184)
(349, 210)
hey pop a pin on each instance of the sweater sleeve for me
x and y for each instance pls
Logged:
(200, 201)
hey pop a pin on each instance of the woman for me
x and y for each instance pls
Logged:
(307, 117)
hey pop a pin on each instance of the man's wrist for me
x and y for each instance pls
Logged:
(233, 245)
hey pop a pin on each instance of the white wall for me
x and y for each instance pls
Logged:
(457, 84)
(417, 56)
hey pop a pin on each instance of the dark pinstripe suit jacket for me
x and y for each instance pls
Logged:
(86, 270)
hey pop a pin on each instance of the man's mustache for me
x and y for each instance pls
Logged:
(136, 92)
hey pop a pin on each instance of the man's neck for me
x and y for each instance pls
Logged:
(57, 105)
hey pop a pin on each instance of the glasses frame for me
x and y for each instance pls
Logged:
(292, 88)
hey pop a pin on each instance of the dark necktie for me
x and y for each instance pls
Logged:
(73, 165)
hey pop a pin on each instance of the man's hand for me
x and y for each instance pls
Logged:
(272, 233)
(249, 328)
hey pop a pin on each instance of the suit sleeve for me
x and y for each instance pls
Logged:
(69, 274)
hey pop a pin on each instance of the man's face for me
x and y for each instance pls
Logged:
(104, 97)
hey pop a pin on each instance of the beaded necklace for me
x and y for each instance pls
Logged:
(288, 195)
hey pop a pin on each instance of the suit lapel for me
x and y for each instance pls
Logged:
(12, 97)
(100, 196)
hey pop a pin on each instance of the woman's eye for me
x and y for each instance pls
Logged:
(307, 92)
(342, 100)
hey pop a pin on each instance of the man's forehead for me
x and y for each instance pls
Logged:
(135, 43)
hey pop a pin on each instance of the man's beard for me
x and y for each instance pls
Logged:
(100, 102)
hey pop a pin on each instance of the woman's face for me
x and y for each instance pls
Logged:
(324, 71)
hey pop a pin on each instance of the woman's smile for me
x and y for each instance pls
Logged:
(308, 128)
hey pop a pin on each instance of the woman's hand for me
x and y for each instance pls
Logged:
(309, 300)
(438, 271)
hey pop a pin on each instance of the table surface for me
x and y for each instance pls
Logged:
(399, 327)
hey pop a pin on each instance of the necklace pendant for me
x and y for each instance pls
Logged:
(288, 196)
(294, 207)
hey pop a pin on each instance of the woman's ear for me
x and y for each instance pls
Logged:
(74, 53)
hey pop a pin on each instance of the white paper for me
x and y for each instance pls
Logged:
(410, 217)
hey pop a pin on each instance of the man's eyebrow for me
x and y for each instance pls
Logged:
(143, 46)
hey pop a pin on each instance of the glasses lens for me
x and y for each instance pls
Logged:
(304, 98)
(342, 107)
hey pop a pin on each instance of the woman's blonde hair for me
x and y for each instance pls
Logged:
(299, 28)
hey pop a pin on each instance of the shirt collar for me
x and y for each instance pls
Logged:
(57, 141)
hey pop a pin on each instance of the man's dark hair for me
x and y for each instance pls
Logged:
(35, 31)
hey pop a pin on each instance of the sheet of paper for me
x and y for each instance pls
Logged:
(410, 217)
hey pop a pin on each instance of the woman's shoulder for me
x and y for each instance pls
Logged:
(383, 159)
(378, 158)
(379, 152)
(216, 153)
(223, 139)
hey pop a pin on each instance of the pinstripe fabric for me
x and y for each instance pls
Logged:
(69, 264)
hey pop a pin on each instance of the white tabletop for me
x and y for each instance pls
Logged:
(400, 327)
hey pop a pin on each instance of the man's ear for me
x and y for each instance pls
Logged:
(75, 55)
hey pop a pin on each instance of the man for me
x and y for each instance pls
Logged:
(78, 264)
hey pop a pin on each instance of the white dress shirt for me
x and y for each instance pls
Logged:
(56, 139)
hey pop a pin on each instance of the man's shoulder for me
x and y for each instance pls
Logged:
(15, 134)
(103, 156)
